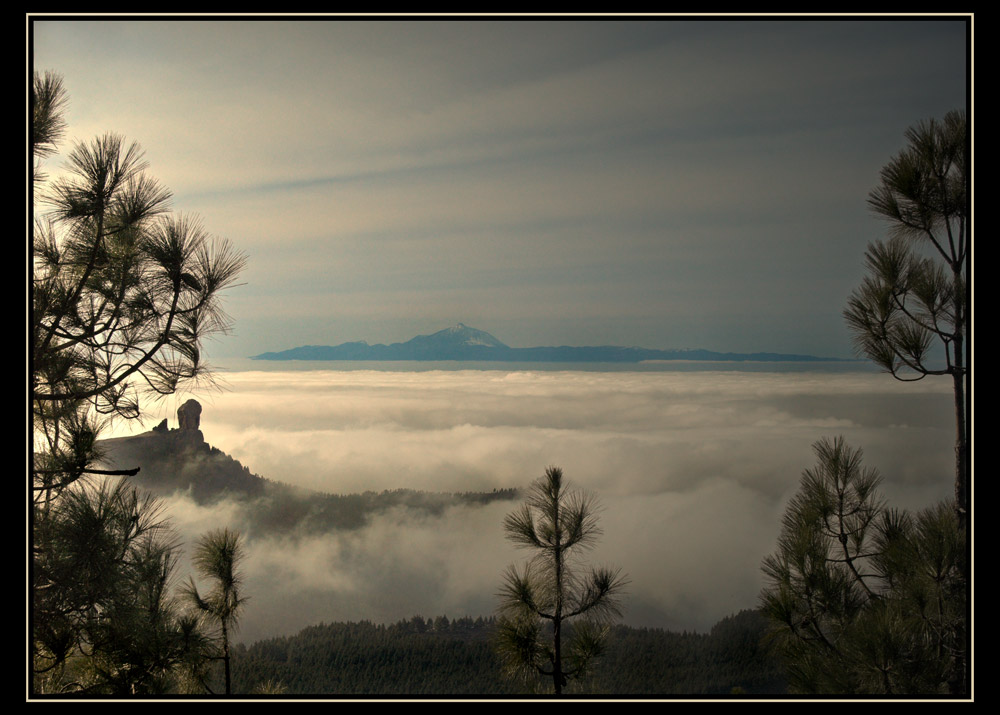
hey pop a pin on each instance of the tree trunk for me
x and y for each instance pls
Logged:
(225, 657)
(960, 373)
(557, 675)
(961, 444)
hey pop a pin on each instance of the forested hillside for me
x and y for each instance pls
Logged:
(456, 657)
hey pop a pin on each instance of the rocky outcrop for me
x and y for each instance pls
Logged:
(189, 415)
(171, 460)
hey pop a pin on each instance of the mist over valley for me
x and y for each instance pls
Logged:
(693, 469)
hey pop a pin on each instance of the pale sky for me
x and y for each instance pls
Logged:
(667, 183)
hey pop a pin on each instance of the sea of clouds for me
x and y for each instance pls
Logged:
(693, 471)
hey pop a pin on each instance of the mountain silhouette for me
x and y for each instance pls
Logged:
(470, 344)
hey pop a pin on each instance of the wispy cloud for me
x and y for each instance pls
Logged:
(663, 183)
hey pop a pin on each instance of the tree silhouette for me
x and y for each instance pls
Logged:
(110, 554)
(534, 636)
(864, 599)
(122, 295)
(915, 292)
(216, 557)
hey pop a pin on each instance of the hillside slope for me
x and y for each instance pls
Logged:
(173, 461)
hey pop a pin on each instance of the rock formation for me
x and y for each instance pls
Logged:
(189, 416)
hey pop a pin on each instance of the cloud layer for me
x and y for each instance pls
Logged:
(693, 470)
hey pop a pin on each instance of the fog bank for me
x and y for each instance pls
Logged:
(693, 470)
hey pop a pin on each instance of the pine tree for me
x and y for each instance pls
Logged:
(121, 297)
(217, 557)
(914, 295)
(864, 598)
(553, 618)
(103, 618)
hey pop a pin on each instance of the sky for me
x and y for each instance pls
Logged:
(667, 183)
(692, 471)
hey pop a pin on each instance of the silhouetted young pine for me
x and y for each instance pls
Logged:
(112, 627)
(216, 557)
(915, 292)
(864, 599)
(534, 636)
(121, 297)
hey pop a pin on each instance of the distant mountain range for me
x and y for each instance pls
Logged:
(469, 344)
